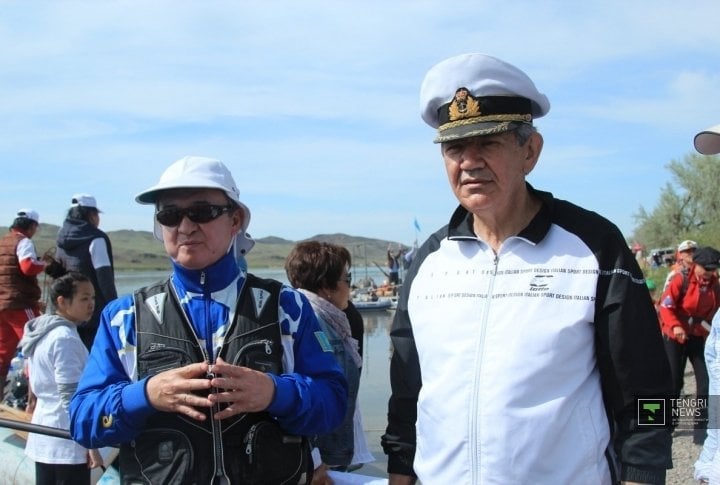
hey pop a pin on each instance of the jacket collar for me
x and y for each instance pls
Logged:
(461, 222)
(216, 276)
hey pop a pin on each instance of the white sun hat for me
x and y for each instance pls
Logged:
(194, 172)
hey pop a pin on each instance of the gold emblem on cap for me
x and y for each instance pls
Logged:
(463, 105)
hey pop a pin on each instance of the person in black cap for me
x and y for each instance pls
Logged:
(687, 305)
(524, 331)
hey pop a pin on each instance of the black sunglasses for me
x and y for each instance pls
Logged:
(348, 278)
(199, 214)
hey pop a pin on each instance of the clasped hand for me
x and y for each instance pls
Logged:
(241, 389)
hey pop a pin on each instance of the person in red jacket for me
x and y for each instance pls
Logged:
(687, 306)
(19, 289)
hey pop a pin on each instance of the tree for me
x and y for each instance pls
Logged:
(689, 206)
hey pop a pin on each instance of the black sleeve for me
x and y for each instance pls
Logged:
(106, 282)
(398, 442)
(630, 352)
(405, 377)
(632, 362)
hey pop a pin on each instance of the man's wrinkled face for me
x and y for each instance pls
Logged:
(193, 244)
(486, 172)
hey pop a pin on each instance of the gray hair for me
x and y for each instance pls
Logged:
(523, 132)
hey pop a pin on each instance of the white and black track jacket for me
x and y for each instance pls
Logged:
(523, 367)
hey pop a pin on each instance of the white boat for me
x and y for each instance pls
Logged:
(381, 304)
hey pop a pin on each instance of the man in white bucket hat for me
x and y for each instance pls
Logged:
(213, 375)
(524, 332)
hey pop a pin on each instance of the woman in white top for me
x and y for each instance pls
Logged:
(56, 358)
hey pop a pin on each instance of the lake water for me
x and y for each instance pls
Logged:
(375, 378)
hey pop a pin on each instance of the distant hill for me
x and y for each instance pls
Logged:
(139, 250)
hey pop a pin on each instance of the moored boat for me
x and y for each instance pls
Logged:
(381, 304)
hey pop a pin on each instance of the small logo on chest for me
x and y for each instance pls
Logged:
(540, 282)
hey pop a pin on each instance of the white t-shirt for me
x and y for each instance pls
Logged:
(99, 253)
(26, 250)
(59, 358)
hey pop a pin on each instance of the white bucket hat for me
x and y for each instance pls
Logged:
(200, 173)
(707, 141)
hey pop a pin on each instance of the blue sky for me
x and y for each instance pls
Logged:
(314, 104)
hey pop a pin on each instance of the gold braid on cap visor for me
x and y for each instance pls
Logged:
(466, 109)
(480, 119)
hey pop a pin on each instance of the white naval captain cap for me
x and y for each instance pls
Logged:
(477, 94)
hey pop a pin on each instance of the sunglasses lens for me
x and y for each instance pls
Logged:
(169, 217)
(203, 213)
(199, 214)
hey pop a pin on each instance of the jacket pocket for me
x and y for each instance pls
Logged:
(158, 456)
(257, 355)
(270, 456)
(153, 362)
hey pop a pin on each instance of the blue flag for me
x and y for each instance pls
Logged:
(417, 226)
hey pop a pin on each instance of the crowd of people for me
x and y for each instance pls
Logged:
(523, 339)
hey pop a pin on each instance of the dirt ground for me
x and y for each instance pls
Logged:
(684, 452)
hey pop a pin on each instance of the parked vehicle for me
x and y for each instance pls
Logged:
(661, 256)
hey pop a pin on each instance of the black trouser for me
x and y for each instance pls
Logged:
(53, 474)
(678, 355)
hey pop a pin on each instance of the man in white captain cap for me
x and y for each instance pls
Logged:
(524, 332)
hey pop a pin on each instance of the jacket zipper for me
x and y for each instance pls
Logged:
(220, 475)
(475, 404)
(208, 324)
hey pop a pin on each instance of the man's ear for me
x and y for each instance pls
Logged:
(238, 218)
(533, 148)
